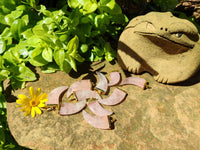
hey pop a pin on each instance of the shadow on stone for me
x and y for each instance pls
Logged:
(8, 94)
(81, 69)
(33, 69)
(87, 70)
(191, 81)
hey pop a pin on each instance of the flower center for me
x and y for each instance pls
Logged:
(33, 103)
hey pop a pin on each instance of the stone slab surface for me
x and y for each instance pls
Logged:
(162, 117)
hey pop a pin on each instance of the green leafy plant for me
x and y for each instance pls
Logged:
(53, 39)
(59, 39)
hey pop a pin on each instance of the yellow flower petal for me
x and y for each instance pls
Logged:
(43, 96)
(31, 91)
(24, 109)
(38, 92)
(19, 101)
(22, 97)
(22, 101)
(41, 105)
(19, 105)
(28, 111)
(33, 112)
(33, 104)
(43, 101)
(37, 110)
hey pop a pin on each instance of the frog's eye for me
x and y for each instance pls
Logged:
(179, 34)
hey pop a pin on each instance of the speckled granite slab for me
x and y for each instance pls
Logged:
(162, 117)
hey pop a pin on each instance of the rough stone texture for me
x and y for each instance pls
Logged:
(161, 44)
(162, 117)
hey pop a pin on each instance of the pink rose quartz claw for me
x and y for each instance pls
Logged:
(101, 122)
(97, 109)
(71, 108)
(103, 82)
(115, 98)
(54, 97)
(115, 78)
(135, 81)
(86, 94)
(79, 85)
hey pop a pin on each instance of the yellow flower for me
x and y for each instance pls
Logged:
(32, 104)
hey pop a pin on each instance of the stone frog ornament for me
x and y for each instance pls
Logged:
(165, 46)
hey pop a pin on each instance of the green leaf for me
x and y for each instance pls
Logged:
(110, 54)
(75, 17)
(119, 18)
(83, 31)
(102, 21)
(72, 45)
(84, 48)
(26, 19)
(59, 43)
(50, 68)
(85, 19)
(2, 133)
(12, 56)
(92, 56)
(78, 57)
(73, 3)
(27, 34)
(45, 11)
(71, 61)
(58, 14)
(6, 33)
(72, 50)
(2, 104)
(37, 51)
(41, 9)
(33, 41)
(21, 7)
(23, 73)
(98, 51)
(59, 57)
(47, 54)
(1, 62)
(110, 6)
(11, 4)
(47, 20)
(4, 74)
(2, 99)
(2, 46)
(41, 32)
(66, 66)
(83, 2)
(10, 18)
(16, 84)
(38, 61)
(32, 3)
(23, 52)
(64, 38)
(90, 6)
(17, 27)
(36, 58)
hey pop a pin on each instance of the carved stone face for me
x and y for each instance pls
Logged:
(163, 45)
